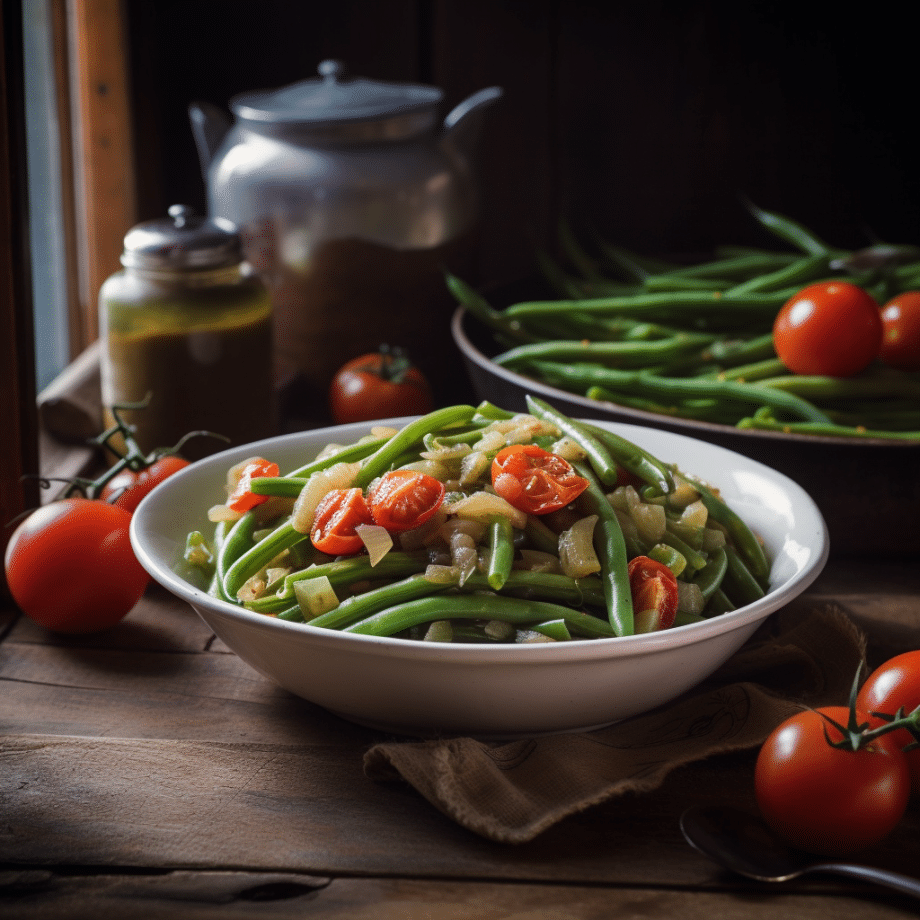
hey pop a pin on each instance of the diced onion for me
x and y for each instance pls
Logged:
(650, 521)
(484, 506)
(376, 540)
(576, 549)
(690, 598)
(315, 596)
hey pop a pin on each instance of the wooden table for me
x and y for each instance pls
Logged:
(148, 772)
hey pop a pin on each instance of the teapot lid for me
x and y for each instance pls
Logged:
(334, 97)
(185, 241)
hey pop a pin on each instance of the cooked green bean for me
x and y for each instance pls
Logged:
(634, 459)
(501, 552)
(739, 582)
(709, 578)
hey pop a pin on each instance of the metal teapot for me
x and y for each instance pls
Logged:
(351, 198)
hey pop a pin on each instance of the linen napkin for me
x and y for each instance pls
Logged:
(510, 792)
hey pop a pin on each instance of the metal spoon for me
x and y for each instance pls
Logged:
(744, 844)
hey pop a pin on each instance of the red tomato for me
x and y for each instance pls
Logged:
(335, 522)
(832, 328)
(824, 799)
(127, 488)
(890, 687)
(901, 332)
(377, 386)
(403, 499)
(534, 480)
(242, 498)
(71, 568)
(654, 593)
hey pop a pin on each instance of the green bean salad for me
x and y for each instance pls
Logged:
(475, 524)
(696, 341)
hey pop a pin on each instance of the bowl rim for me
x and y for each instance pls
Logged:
(641, 644)
(644, 417)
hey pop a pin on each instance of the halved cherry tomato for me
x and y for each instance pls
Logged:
(832, 328)
(70, 566)
(654, 593)
(892, 686)
(901, 332)
(242, 498)
(826, 799)
(403, 499)
(534, 480)
(127, 488)
(337, 516)
(379, 385)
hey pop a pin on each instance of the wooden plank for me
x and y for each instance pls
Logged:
(103, 145)
(291, 896)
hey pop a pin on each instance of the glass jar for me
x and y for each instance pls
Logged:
(186, 330)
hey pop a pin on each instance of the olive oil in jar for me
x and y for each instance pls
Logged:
(186, 328)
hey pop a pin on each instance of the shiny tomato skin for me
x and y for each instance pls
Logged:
(534, 480)
(832, 329)
(823, 799)
(901, 332)
(70, 566)
(363, 390)
(127, 488)
(654, 588)
(404, 499)
(893, 685)
(337, 516)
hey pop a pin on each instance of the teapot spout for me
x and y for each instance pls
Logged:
(210, 125)
(464, 122)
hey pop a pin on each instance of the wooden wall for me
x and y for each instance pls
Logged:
(645, 121)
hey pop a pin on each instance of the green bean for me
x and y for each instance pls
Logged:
(553, 629)
(634, 459)
(610, 546)
(739, 582)
(576, 254)
(829, 430)
(501, 552)
(540, 536)
(695, 560)
(809, 269)
(458, 606)
(702, 410)
(677, 282)
(758, 370)
(482, 310)
(277, 486)
(599, 456)
(584, 376)
(867, 384)
(258, 556)
(734, 351)
(741, 535)
(350, 454)
(634, 266)
(622, 354)
(718, 604)
(709, 578)
(791, 232)
(237, 542)
(734, 267)
(379, 462)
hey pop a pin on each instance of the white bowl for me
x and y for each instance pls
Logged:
(422, 688)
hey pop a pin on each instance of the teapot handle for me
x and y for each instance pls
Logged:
(210, 125)
(463, 122)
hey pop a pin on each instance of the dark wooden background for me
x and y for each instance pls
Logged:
(644, 121)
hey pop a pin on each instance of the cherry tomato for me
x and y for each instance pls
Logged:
(403, 499)
(534, 480)
(376, 386)
(127, 488)
(824, 799)
(832, 328)
(890, 687)
(337, 516)
(654, 593)
(242, 498)
(901, 332)
(70, 566)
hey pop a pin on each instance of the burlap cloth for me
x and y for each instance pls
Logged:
(512, 791)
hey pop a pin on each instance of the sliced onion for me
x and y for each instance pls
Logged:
(376, 540)
(576, 549)
(337, 476)
(484, 506)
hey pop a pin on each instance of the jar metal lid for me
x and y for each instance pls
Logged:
(184, 241)
(335, 98)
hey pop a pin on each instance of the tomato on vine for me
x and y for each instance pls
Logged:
(832, 328)
(901, 332)
(127, 488)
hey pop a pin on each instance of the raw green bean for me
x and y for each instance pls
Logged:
(801, 271)
(758, 370)
(791, 232)
(741, 351)
(610, 547)
(501, 552)
(482, 310)
(634, 266)
(741, 535)
(582, 376)
(379, 462)
(734, 267)
(599, 456)
(829, 430)
(816, 387)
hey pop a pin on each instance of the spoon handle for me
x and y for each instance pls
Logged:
(893, 880)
